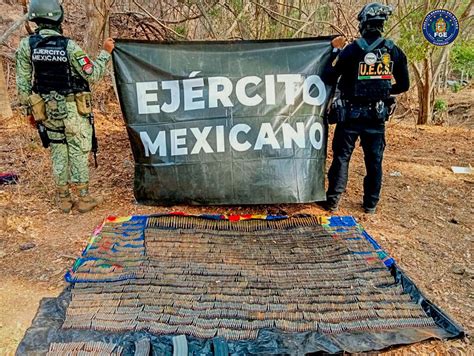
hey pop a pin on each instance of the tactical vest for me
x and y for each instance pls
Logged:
(374, 71)
(52, 69)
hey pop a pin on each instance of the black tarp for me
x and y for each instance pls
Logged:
(225, 122)
(46, 328)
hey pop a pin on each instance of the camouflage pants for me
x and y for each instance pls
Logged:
(71, 160)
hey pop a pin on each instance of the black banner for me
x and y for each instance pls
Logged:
(225, 122)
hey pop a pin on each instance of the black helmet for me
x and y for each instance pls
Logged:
(372, 17)
(45, 11)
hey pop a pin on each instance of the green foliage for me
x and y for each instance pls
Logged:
(323, 12)
(456, 87)
(462, 57)
(181, 29)
(214, 12)
(271, 30)
(294, 13)
(440, 105)
(237, 5)
(411, 38)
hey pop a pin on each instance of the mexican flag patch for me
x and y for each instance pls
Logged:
(86, 64)
(84, 61)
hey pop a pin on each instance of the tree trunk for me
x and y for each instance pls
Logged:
(5, 107)
(425, 112)
(95, 12)
(446, 73)
(16, 26)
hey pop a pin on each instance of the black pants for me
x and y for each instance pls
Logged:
(372, 139)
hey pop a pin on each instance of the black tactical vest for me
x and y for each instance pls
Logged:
(373, 80)
(52, 70)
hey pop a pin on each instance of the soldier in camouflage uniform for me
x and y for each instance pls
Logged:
(56, 68)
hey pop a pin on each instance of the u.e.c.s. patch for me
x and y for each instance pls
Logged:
(381, 69)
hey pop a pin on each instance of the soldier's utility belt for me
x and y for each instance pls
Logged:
(346, 110)
(53, 105)
(45, 139)
(378, 110)
(367, 111)
(70, 98)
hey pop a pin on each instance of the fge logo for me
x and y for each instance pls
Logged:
(440, 27)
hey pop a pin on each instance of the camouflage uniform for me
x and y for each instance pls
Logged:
(70, 160)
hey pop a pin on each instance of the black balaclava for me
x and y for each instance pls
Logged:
(372, 29)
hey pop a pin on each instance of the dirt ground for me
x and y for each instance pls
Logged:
(425, 218)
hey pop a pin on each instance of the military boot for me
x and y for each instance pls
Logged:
(329, 205)
(368, 210)
(63, 199)
(86, 202)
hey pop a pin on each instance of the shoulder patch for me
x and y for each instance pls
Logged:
(83, 60)
(79, 54)
(86, 64)
(88, 68)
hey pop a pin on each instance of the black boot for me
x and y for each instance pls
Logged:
(329, 205)
(368, 210)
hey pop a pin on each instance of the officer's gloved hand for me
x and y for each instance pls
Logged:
(109, 45)
(339, 42)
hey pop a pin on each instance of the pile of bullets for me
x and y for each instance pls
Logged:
(84, 349)
(210, 278)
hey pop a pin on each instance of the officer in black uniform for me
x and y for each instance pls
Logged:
(366, 69)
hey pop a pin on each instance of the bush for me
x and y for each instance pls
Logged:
(456, 87)
(462, 57)
(440, 105)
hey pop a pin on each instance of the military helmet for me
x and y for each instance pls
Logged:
(49, 11)
(373, 14)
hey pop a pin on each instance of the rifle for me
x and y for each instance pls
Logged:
(95, 145)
